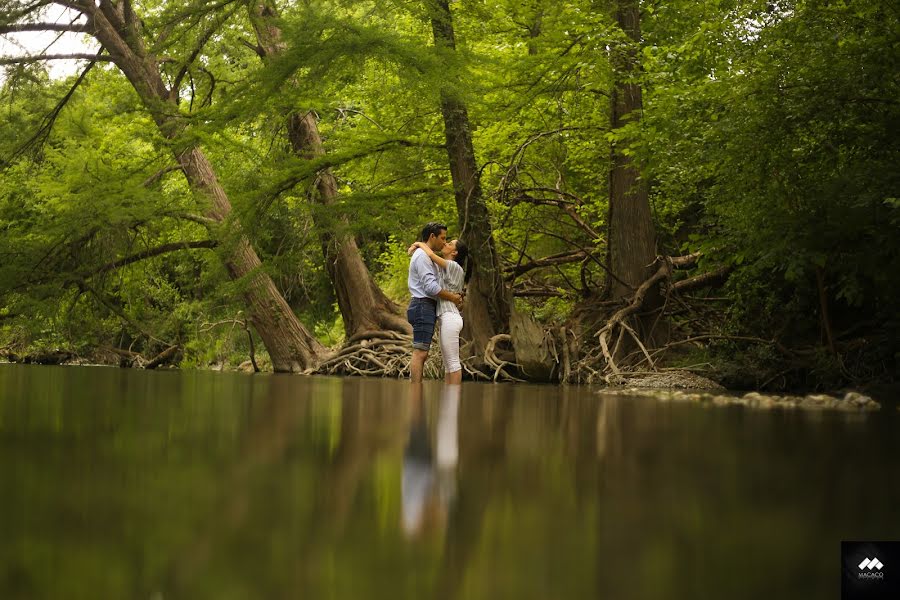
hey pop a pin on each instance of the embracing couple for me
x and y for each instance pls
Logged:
(438, 271)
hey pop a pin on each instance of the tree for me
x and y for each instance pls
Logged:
(363, 305)
(632, 235)
(121, 34)
(487, 300)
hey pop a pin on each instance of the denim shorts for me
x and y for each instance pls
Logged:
(422, 314)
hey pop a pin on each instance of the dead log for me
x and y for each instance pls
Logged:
(162, 357)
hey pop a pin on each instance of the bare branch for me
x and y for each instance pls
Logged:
(566, 206)
(256, 48)
(342, 111)
(538, 293)
(519, 154)
(685, 262)
(79, 5)
(210, 31)
(159, 175)
(605, 333)
(47, 124)
(164, 249)
(548, 261)
(21, 27)
(27, 10)
(198, 219)
(710, 279)
(42, 57)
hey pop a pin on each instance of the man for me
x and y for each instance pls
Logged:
(425, 289)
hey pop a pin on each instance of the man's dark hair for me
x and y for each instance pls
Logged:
(432, 228)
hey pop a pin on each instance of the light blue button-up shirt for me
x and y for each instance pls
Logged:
(423, 279)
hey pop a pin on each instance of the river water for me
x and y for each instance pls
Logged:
(134, 484)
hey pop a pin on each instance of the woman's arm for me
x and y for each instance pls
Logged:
(439, 261)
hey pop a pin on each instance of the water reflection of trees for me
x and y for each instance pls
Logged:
(285, 500)
(286, 486)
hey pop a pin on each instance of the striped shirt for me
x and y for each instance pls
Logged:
(452, 277)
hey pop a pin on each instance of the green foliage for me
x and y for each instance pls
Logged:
(394, 266)
(772, 149)
(767, 140)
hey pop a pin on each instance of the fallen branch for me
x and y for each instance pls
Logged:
(686, 261)
(618, 319)
(709, 279)
(162, 357)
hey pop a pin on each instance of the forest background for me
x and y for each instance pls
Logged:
(703, 186)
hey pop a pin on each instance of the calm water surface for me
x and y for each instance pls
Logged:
(132, 484)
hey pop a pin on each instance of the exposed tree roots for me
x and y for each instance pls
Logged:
(388, 354)
(373, 354)
(612, 353)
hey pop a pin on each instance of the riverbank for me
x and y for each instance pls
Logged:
(668, 385)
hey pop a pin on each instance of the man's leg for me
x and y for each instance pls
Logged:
(417, 365)
(420, 315)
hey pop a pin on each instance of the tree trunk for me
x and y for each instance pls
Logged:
(487, 306)
(363, 305)
(632, 237)
(289, 344)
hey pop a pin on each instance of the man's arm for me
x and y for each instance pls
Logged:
(438, 260)
(430, 282)
(426, 274)
(451, 296)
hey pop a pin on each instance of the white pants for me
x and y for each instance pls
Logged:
(451, 325)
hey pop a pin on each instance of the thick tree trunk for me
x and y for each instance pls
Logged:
(363, 305)
(488, 300)
(289, 344)
(632, 236)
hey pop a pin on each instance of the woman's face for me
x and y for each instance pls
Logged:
(449, 250)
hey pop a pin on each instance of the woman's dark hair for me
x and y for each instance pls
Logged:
(463, 259)
(432, 228)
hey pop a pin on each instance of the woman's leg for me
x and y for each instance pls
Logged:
(451, 325)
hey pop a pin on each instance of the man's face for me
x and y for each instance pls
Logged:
(436, 242)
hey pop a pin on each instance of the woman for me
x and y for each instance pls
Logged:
(456, 268)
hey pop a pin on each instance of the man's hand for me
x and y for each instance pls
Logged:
(458, 300)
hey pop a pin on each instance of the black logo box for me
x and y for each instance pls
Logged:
(870, 582)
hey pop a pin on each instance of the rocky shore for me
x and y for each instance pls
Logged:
(850, 401)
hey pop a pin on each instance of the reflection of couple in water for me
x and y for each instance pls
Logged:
(438, 270)
(429, 477)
